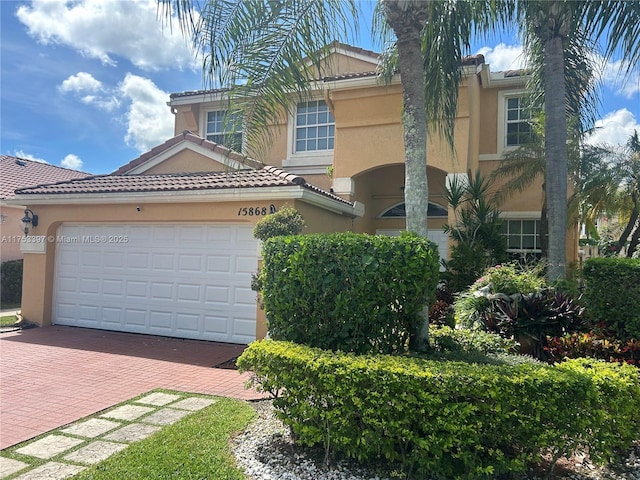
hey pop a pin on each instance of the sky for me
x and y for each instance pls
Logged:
(84, 84)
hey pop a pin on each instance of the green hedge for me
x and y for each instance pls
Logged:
(447, 419)
(345, 291)
(612, 294)
(11, 282)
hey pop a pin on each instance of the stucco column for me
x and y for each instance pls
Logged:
(34, 292)
(345, 187)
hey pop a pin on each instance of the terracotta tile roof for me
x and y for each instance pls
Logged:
(177, 182)
(19, 172)
(195, 139)
(347, 76)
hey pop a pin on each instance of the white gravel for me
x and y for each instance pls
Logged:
(266, 451)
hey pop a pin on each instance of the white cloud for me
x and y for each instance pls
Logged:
(28, 156)
(108, 29)
(504, 57)
(90, 91)
(80, 82)
(72, 161)
(150, 121)
(615, 76)
(615, 128)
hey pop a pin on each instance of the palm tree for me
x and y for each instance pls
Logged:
(267, 53)
(612, 186)
(548, 25)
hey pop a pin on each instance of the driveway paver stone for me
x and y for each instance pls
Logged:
(166, 416)
(132, 433)
(158, 399)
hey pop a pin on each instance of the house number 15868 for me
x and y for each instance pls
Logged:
(256, 211)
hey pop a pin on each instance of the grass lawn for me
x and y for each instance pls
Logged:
(7, 320)
(194, 448)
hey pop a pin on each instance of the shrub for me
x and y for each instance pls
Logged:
(594, 345)
(447, 419)
(11, 281)
(473, 306)
(612, 294)
(446, 339)
(533, 317)
(346, 291)
(286, 221)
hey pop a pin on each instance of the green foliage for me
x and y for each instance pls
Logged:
(612, 294)
(346, 291)
(594, 345)
(473, 305)
(516, 303)
(452, 420)
(447, 339)
(479, 242)
(286, 221)
(11, 282)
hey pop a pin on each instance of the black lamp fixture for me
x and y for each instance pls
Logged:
(29, 220)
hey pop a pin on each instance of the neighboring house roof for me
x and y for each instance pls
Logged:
(196, 140)
(177, 182)
(19, 172)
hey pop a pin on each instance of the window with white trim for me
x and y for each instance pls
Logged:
(315, 127)
(523, 236)
(518, 122)
(224, 129)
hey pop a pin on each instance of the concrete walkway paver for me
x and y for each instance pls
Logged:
(49, 446)
(9, 466)
(90, 441)
(52, 471)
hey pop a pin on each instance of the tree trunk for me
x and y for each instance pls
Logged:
(556, 156)
(628, 229)
(635, 239)
(407, 19)
(544, 230)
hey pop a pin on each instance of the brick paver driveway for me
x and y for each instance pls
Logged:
(55, 375)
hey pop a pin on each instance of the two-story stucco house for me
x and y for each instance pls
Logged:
(164, 245)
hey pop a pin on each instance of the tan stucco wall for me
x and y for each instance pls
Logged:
(10, 232)
(187, 161)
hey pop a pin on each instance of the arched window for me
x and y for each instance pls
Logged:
(398, 211)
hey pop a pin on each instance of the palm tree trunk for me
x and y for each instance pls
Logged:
(544, 230)
(556, 156)
(635, 240)
(407, 18)
(628, 229)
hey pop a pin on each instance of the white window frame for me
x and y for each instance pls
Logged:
(205, 125)
(314, 161)
(525, 218)
(503, 96)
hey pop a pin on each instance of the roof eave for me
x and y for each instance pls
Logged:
(195, 196)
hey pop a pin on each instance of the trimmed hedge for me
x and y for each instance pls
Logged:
(612, 294)
(11, 281)
(447, 419)
(346, 291)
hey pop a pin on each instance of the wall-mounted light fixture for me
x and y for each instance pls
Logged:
(29, 220)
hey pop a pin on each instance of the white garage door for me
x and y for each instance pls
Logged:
(187, 281)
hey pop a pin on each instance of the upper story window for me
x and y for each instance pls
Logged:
(315, 127)
(223, 130)
(518, 126)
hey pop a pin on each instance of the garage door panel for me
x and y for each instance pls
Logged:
(175, 280)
